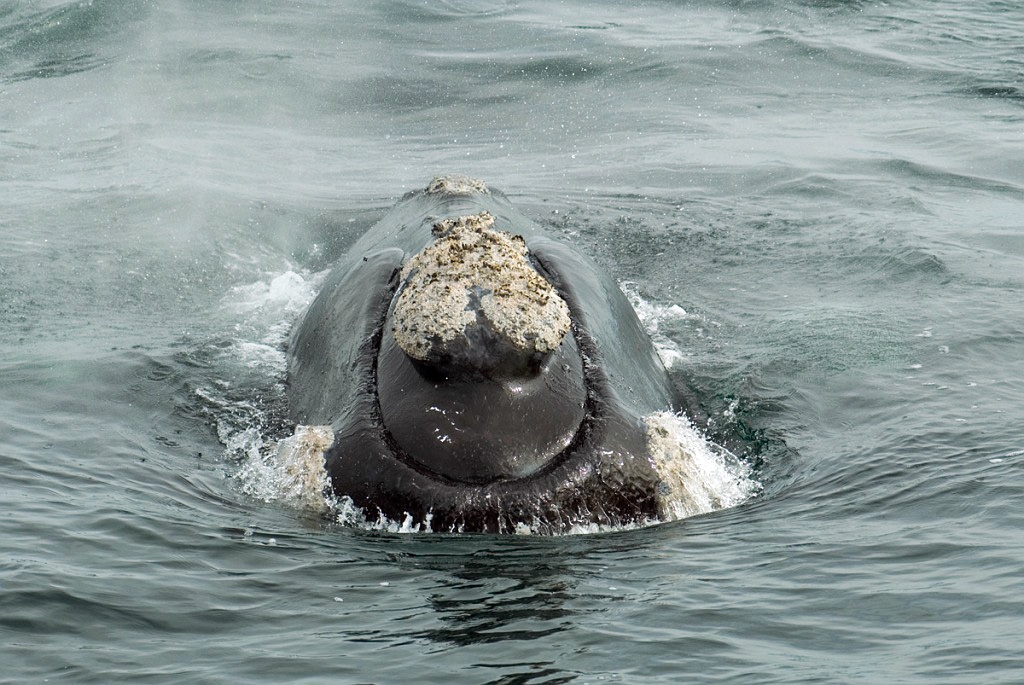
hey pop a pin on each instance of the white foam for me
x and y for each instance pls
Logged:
(348, 513)
(285, 294)
(256, 355)
(261, 315)
(652, 316)
(266, 310)
(292, 472)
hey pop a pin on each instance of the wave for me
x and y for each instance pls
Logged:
(63, 39)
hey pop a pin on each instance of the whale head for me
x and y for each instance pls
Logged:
(475, 373)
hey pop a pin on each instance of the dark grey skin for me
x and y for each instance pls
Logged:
(560, 446)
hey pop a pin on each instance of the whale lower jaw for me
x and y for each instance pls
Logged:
(690, 477)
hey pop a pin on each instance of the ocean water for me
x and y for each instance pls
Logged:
(817, 208)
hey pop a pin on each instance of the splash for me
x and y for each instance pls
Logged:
(268, 307)
(697, 476)
(293, 472)
(651, 316)
(249, 409)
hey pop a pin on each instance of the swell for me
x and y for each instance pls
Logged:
(65, 39)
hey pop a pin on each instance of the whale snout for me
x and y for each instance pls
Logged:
(479, 378)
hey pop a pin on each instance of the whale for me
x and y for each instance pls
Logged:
(474, 374)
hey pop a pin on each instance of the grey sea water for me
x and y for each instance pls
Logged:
(817, 206)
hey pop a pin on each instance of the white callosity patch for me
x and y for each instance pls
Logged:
(473, 291)
(455, 185)
(697, 476)
(293, 471)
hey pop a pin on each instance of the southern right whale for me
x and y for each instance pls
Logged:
(477, 375)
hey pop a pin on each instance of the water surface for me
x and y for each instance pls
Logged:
(830, 192)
